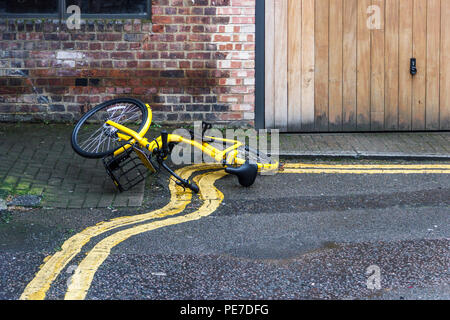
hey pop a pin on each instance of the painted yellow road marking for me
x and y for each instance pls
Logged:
(53, 265)
(84, 274)
(368, 171)
(367, 166)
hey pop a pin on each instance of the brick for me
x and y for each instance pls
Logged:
(195, 59)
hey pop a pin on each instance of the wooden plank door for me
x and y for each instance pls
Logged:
(344, 65)
(289, 73)
(444, 105)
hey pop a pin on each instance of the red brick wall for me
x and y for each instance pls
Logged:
(193, 61)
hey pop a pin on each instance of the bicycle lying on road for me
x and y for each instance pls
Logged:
(115, 132)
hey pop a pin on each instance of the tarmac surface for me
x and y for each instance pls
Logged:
(290, 236)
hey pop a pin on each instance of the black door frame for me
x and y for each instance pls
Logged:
(260, 39)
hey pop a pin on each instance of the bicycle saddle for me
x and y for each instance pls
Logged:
(246, 173)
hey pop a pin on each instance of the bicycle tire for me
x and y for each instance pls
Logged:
(101, 132)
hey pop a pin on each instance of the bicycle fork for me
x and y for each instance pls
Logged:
(162, 154)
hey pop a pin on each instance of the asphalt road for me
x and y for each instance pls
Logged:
(290, 236)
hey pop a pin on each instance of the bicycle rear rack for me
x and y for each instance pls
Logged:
(126, 170)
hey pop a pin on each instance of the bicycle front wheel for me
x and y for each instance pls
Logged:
(93, 138)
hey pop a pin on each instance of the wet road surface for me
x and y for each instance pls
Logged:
(290, 236)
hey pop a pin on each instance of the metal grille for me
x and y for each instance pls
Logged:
(126, 170)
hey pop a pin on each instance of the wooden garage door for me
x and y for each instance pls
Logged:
(344, 65)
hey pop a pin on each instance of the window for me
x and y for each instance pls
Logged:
(97, 7)
(24, 8)
(89, 8)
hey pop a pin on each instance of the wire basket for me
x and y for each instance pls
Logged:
(126, 169)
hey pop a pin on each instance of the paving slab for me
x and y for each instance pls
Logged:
(37, 162)
(414, 145)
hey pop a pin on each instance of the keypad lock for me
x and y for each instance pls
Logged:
(413, 67)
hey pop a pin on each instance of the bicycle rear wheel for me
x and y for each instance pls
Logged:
(92, 138)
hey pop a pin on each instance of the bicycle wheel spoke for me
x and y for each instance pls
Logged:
(121, 117)
(92, 135)
(109, 141)
(92, 143)
(102, 140)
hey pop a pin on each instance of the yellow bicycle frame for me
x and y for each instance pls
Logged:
(228, 156)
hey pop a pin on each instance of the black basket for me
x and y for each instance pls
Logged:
(126, 170)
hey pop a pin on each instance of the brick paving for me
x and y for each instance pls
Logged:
(37, 159)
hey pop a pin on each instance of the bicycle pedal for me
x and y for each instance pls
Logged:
(145, 159)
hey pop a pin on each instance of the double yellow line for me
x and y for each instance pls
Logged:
(84, 274)
(180, 198)
(365, 169)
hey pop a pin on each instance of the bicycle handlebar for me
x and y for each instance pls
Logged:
(193, 187)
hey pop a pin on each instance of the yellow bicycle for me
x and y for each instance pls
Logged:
(115, 132)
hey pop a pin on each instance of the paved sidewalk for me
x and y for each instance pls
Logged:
(368, 145)
(38, 160)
